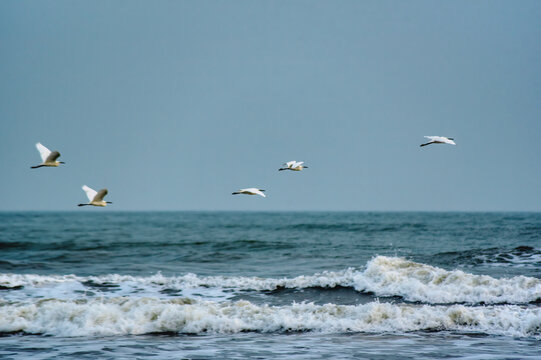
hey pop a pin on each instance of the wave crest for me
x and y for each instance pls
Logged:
(123, 316)
(392, 276)
(383, 276)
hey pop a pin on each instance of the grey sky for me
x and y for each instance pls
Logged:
(175, 104)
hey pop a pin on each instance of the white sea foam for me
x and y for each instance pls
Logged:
(123, 316)
(208, 287)
(384, 276)
(512, 259)
(387, 276)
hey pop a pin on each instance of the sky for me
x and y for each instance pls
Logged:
(173, 105)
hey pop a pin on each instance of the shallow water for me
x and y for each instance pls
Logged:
(271, 285)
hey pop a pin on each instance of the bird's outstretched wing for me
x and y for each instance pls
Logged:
(101, 194)
(257, 191)
(441, 139)
(90, 193)
(299, 163)
(43, 152)
(290, 163)
(52, 156)
(448, 141)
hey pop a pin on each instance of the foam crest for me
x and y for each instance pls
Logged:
(323, 279)
(190, 284)
(522, 256)
(384, 276)
(124, 316)
(391, 276)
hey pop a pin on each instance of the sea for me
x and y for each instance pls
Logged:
(102, 284)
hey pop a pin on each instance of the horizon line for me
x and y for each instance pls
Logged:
(276, 211)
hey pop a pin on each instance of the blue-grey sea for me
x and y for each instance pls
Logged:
(274, 285)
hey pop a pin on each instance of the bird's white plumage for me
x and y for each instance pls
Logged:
(101, 194)
(290, 163)
(294, 165)
(441, 139)
(251, 191)
(90, 193)
(43, 151)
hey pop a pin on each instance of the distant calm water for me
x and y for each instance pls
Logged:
(299, 285)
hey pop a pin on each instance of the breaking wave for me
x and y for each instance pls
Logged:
(383, 276)
(518, 257)
(391, 276)
(124, 316)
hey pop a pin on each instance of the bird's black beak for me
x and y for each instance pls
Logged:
(61, 162)
(108, 202)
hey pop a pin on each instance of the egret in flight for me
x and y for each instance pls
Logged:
(95, 197)
(439, 140)
(48, 157)
(250, 191)
(294, 166)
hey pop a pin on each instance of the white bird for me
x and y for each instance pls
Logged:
(439, 140)
(294, 165)
(48, 157)
(95, 197)
(250, 191)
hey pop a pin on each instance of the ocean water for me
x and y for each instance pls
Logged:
(280, 285)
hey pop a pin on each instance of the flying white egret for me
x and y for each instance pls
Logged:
(48, 157)
(294, 166)
(250, 191)
(95, 197)
(439, 140)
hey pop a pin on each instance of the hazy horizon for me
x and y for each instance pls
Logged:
(111, 210)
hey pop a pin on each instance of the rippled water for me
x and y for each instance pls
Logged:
(275, 285)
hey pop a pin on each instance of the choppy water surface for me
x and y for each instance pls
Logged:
(273, 285)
